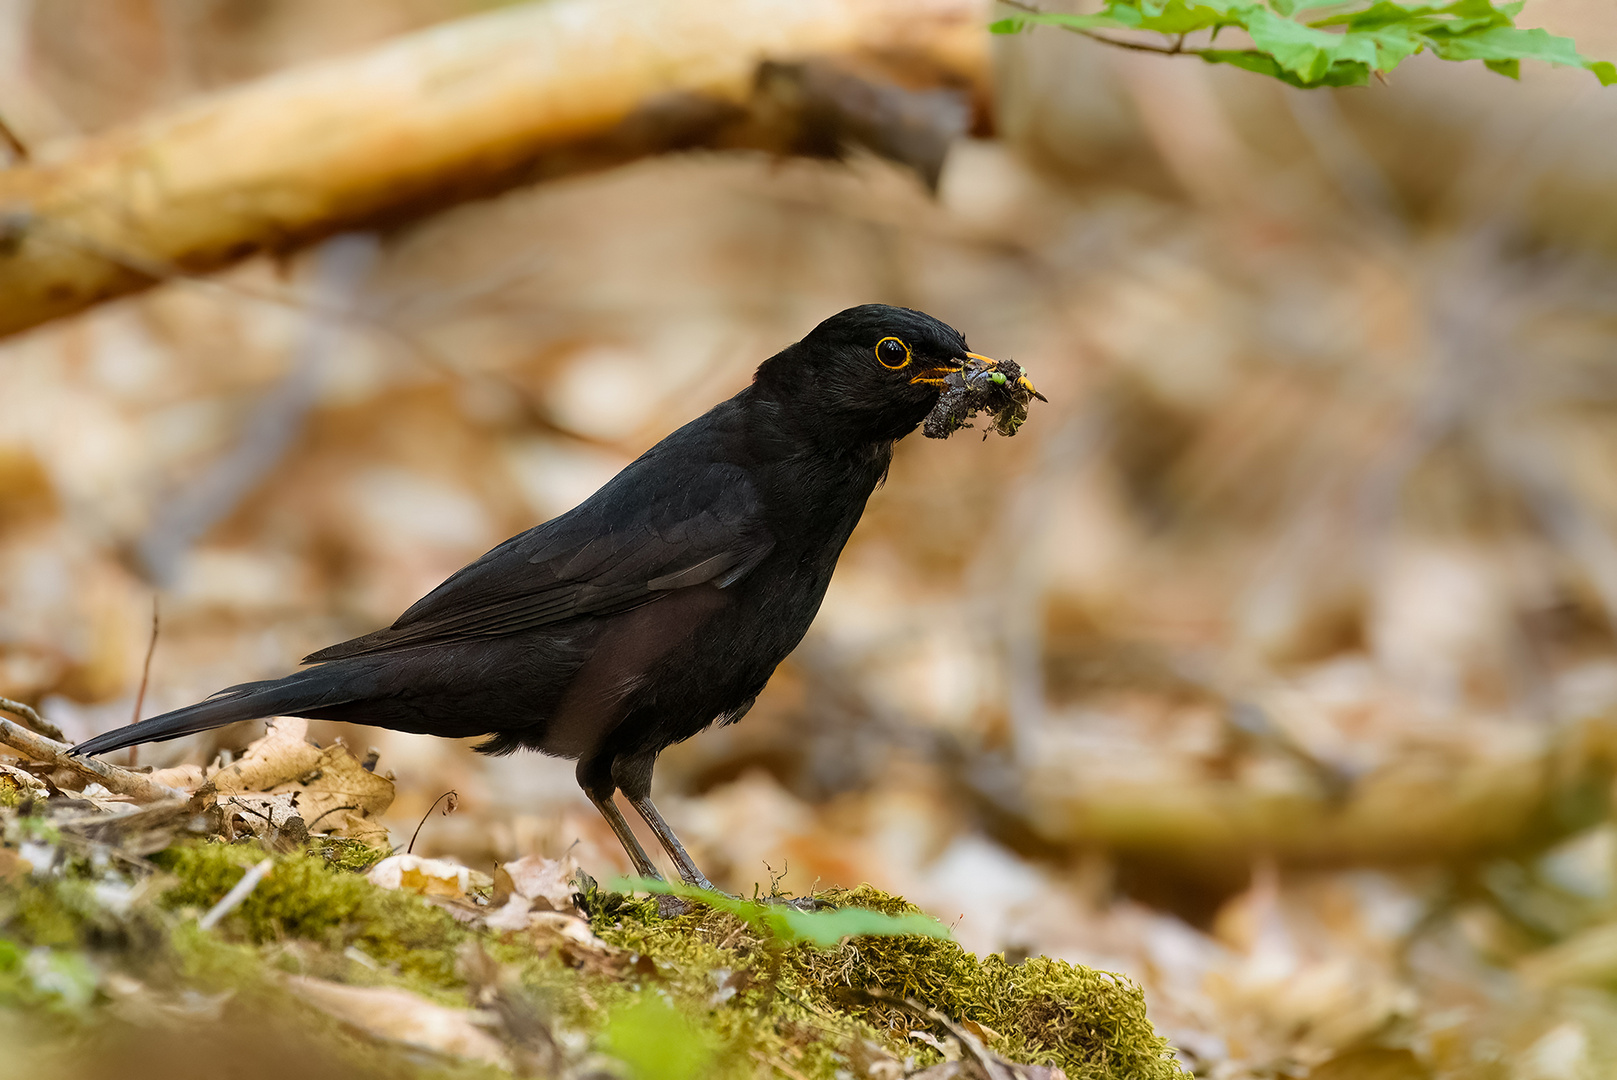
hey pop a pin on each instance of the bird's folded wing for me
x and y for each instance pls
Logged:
(629, 543)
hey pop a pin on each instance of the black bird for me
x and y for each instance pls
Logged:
(661, 604)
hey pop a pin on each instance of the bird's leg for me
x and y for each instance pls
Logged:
(600, 789)
(670, 842)
(631, 844)
(633, 777)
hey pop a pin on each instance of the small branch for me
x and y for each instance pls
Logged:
(35, 721)
(18, 148)
(540, 90)
(145, 676)
(779, 1066)
(111, 777)
(992, 1065)
(1176, 49)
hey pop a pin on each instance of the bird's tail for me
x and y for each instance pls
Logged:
(297, 694)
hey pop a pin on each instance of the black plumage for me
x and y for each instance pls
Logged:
(661, 604)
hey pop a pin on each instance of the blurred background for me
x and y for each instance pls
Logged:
(1272, 663)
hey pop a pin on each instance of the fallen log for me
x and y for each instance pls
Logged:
(459, 110)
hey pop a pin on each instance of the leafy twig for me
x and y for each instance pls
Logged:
(1176, 49)
(1346, 48)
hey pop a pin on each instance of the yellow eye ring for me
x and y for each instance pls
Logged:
(886, 353)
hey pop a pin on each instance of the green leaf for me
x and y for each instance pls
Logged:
(656, 1042)
(790, 926)
(1342, 74)
(1343, 46)
(1303, 51)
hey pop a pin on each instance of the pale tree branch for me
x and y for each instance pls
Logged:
(33, 719)
(460, 110)
(119, 781)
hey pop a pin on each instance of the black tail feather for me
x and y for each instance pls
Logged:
(290, 696)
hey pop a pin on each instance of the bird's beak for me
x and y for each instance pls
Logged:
(934, 376)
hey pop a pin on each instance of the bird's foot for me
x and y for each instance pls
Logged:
(797, 903)
(672, 907)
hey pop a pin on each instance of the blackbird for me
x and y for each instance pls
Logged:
(660, 605)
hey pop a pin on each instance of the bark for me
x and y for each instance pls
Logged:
(460, 110)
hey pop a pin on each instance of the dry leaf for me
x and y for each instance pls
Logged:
(948, 1046)
(429, 877)
(13, 867)
(336, 794)
(547, 883)
(871, 1062)
(184, 777)
(946, 1070)
(982, 1031)
(400, 1016)
(14, 781)
(558, 926)
(511, 915)
(272, 811)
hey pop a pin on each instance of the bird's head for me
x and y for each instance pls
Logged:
(867, 374)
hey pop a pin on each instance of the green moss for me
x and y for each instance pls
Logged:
(1091, 1023)
(341, 853)
(725, 995)
(306, 896)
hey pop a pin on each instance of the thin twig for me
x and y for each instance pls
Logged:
(993, 1066)
(145, 677)
(231, 900)
(18, 148)
(779, 1066)
(1176, 49)
(121, 781)
(35, 721)
(348, 806)
(454, 802)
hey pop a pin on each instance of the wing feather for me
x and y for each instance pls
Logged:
(647, 532)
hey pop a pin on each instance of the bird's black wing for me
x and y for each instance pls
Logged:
(650, 530)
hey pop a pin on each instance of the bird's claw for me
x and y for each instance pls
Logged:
(670, 906)
(797, 903)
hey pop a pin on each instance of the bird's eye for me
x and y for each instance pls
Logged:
(892, 353)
